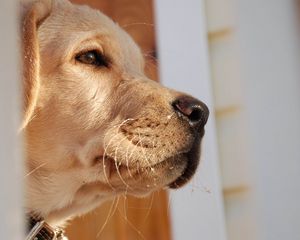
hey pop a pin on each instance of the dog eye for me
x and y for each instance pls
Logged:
(93, 57)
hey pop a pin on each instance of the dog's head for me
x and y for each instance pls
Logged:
(94, 123)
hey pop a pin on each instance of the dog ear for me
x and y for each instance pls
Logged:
(33, 13)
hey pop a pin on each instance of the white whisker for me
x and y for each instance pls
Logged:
(35, 169)
(138, 23)
(103, 161)
(109, 215)
(150, 207)
(127, 159)
(116, 164)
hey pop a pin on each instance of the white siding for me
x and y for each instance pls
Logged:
(197, 210)
(254, 50)
(269, 44)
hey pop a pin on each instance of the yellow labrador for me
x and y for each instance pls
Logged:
(95, 126)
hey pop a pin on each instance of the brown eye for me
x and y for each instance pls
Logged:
(93, 57)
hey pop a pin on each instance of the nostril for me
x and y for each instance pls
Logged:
(194, 110)
(196, 115)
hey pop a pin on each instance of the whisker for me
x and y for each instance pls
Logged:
(136, 145)
(103, 161)
(35, 169)
(119, 125)
(152, 156)
(144, 153)
(116, 206)
(133, 227)
(150, 207)
(133, 150)
(127, 159)
(108, 216)
(125, 206)
(200, 187)
(116, 163)
(169, 204)
(137, 23)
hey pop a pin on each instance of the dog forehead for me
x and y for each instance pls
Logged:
(66, 18)
(69, 24)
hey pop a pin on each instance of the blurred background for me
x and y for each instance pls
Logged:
(242, 58)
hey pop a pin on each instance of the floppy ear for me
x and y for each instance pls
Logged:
(33, 13)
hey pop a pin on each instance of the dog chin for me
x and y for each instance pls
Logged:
(193, 159)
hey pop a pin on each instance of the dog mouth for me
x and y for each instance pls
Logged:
(193, 159)
(110, 165)
(186, 161)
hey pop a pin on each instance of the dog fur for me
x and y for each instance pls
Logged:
(93, 132)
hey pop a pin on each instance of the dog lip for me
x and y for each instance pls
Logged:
(193, 159)
(184, 177)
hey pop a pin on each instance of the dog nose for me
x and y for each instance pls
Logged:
(195, 111)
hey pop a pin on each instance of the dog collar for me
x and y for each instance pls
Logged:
(40, 230)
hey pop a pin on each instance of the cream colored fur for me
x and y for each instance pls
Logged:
(91, 133)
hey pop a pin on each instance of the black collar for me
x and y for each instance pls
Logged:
(38, 229)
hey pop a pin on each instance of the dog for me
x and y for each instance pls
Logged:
(95, 126)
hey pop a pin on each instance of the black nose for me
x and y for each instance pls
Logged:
(195, 111)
